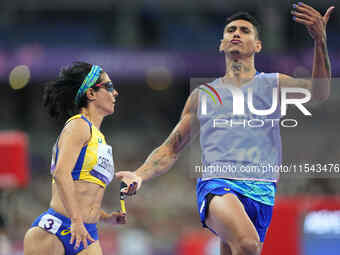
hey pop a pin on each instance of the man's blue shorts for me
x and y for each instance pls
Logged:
(259, 213)
(59, 225)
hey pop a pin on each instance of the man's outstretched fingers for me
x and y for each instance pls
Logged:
(305, 10)
(307, 7)
(301, 15)
(303, 21)
(328, 14)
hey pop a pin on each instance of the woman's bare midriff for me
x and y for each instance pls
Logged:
(89, 197)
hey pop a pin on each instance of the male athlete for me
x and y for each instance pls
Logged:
(238, 208)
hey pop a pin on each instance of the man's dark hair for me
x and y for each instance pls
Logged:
(246, 16)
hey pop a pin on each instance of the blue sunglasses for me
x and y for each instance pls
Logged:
(106, 85)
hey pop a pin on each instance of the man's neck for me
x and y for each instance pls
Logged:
(239, 71)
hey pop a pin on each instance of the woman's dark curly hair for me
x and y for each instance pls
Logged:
(59, 95)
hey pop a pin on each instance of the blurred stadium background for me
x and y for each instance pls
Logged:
(151, 49)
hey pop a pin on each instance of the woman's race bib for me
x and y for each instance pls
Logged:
(104, 169)
(50, 223)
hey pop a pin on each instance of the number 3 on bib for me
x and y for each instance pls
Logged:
(50, 223)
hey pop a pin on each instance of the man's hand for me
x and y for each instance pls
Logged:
(132, 181)
(312, 19)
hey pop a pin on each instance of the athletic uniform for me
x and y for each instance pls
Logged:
(240, 152)
(95, 165)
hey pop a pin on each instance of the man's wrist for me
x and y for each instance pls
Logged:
(321, 40)
(137, 173)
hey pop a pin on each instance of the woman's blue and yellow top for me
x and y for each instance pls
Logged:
(95, 163)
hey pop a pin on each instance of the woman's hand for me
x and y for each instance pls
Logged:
(114, 217)
(79, 234)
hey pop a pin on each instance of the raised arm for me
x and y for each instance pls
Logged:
(164, 157)
(321, 75)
